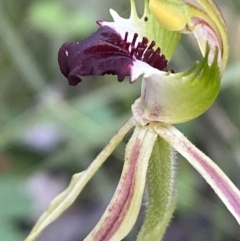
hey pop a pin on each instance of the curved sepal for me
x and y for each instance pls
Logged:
(176, 98)
(122, 212)
(215, 177)
(207, 25)
(213, 12)
(78, 182)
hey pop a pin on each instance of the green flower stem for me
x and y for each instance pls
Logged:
(78, 182)
(160, 191)
(221, 184)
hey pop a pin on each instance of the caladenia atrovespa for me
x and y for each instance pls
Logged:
(141, 48)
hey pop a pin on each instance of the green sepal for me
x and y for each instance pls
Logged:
(195, 91)
(146, 26)
(160, 192)
(179, 15)
(175, 98)
(165, 39)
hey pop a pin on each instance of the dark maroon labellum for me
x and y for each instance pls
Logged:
(102, 53)
(105, 52)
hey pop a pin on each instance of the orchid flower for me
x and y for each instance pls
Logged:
(141, 48)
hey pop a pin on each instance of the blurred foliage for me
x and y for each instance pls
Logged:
(14, 204)
(49, 127)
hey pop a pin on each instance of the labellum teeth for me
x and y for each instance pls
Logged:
(141, 51)
(106, 52)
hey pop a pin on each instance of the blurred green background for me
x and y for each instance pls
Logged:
(49, 130)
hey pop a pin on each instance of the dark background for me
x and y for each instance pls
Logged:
(49, 130)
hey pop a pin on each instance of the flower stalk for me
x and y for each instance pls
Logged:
(161, 193)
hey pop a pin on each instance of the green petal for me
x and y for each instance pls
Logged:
(207, 25)
(216, 16)
(176, 98)
(78, 182)
(160, 192)
(215, 177)
(122, 212)
(169, 13)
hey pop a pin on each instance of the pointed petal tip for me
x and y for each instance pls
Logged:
(114, 15)
(100, 22)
